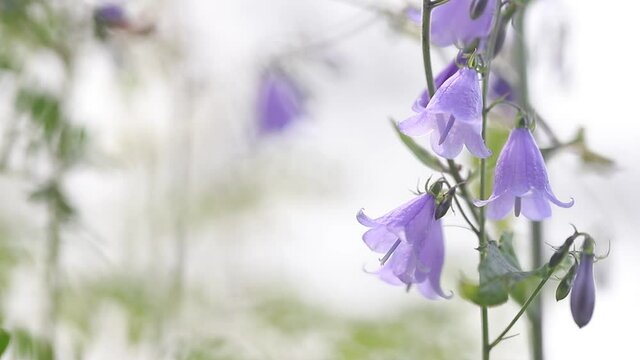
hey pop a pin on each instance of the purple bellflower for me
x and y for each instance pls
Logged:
(280, 102)
(521, 181)
(451, 23)
(453, 117)
(583, 293)
(111, 15)
(413, 244)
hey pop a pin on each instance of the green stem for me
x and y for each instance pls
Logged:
(515, 319)
(535, 315)
(426, 46)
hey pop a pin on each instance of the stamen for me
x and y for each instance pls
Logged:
(443, 135)
(390, 252)
(518, 206)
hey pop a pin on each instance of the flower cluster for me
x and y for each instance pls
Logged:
(410, 238)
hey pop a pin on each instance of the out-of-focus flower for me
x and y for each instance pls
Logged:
(453, 116)
(413, 244)
(451, 23)
(280, 101)
(521, 180)
(583, 293)
(500, 88)
(111, 15)
(414, 14)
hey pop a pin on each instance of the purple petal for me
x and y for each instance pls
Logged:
(583, 293)
(451, 23)
(474, 142)
(396, 220)
(459, 96)
(431, 260)
(379, 239)
(500, 206)
(421, 101)
(452, 145)
(552, 197)
(417, 125)
(536, 206)
(280, 102)
(447, 72)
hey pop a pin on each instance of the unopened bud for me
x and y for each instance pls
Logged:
(565, 284)
(444, 205)
(557, 256)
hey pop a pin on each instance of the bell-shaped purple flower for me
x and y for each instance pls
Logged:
(451, 23)
(413, 244)
(423, 99)
(521, 181)
(453, 117)
(111, 15)
(583, 292)
(280, 101)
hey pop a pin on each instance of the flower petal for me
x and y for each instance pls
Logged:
(379, 239)
(552, 197)
(460, 96)
(474, 142)
(583, 293)
(417, 125)
(500, 206)
(536, 206)
(431, 262)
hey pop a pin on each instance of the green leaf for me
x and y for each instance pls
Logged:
(419, 152)
(500, 272)
(4, 341)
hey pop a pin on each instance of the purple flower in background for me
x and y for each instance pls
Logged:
(583, 293)
(111, 15)
(453, 116)
(501, 88)
(280, 101)
(451, 23)
(414, 14)
(521, 181)
(413, 244)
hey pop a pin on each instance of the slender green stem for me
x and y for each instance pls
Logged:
(426, 46)
(515, 319)
(486, 348)
(535, 315)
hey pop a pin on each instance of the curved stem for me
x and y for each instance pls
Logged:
(515, 319)
(426, 46)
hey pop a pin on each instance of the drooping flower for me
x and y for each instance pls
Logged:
(521, 182)
(280, 102)
(413, 244)
(451, 23)
(453, 117)
(583, 293)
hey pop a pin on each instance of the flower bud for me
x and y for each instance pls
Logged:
(565, 284)
(557, 257)
(444, 205)
(477, 8)
(583, 294)
(436, 188)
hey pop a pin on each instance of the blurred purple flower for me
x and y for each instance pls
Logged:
(451, 23)
(521, 181)
(414, 14)
(501, 88)
(413, 244)
(111, 15)
(280, 102)
(583, 293)
(454, 115)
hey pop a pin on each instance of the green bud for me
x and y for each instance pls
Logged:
(436, 188)
(588, 246)
(444, 205)
(557, 257)
(565, 284)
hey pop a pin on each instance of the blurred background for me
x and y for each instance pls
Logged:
(179, 179)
